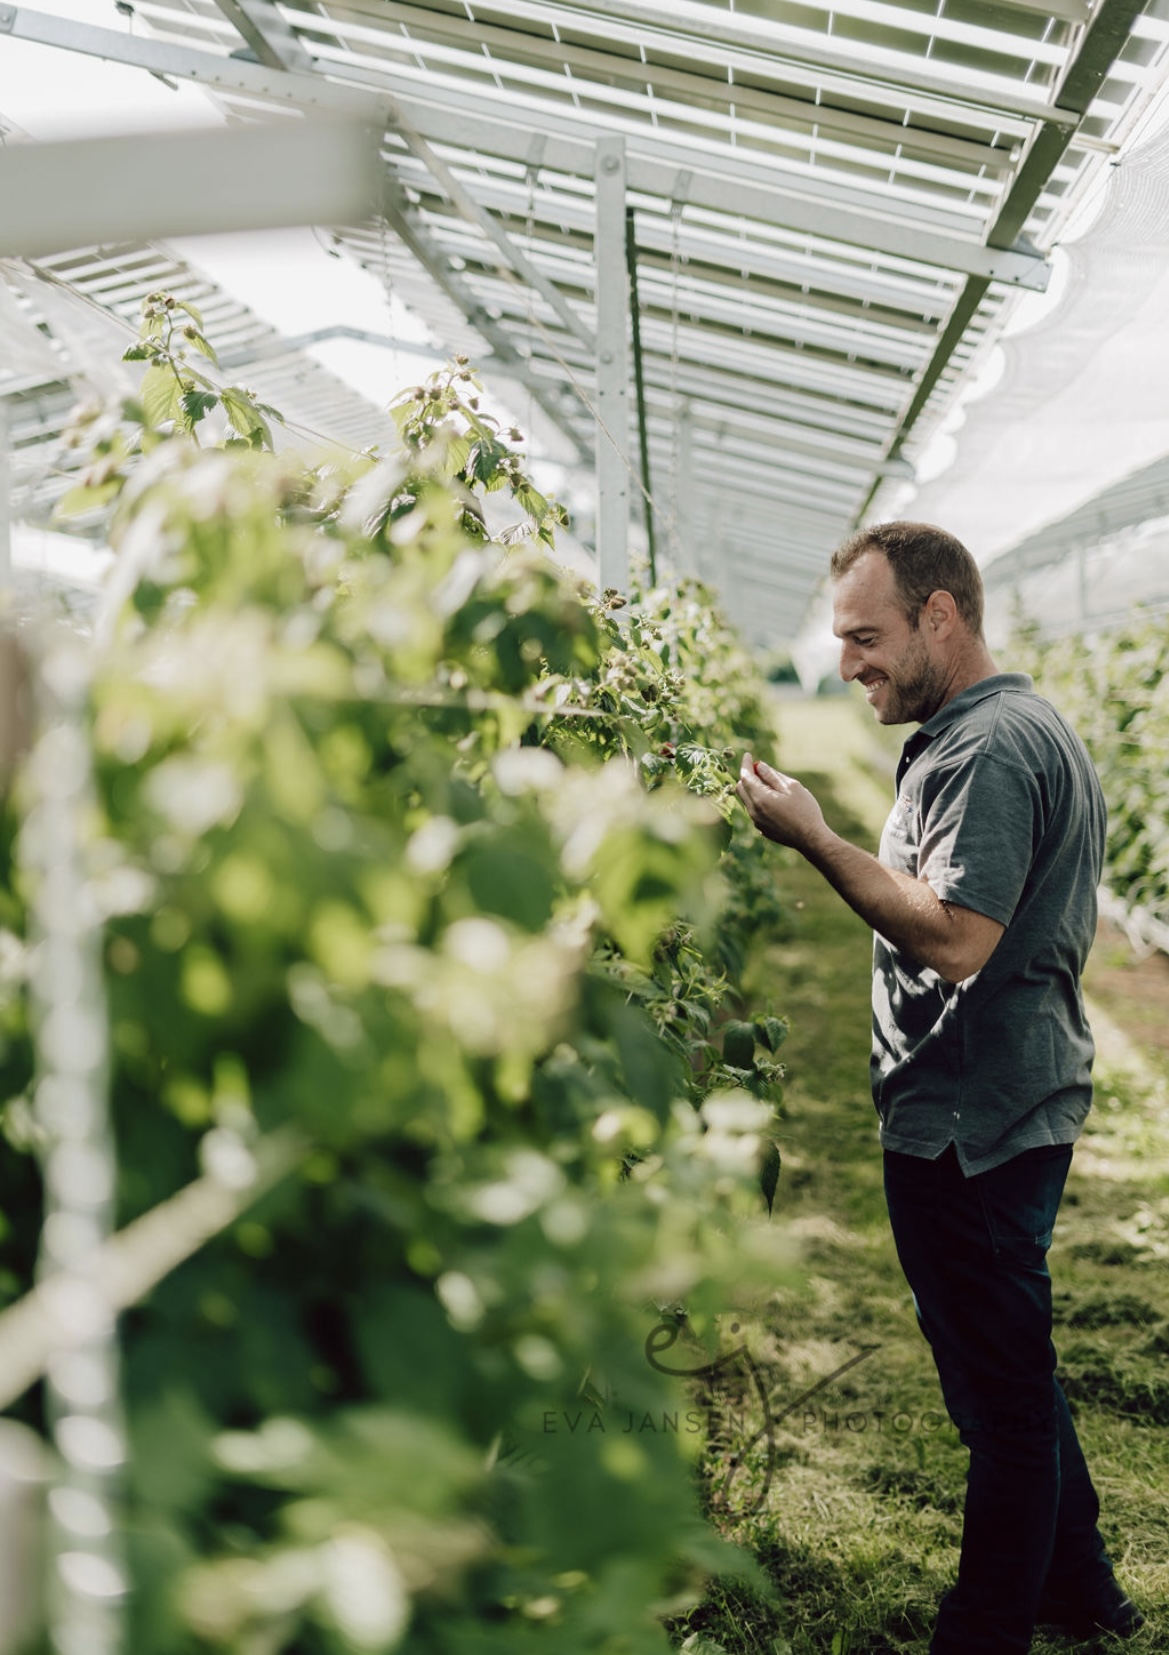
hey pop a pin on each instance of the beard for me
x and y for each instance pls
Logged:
(916, 686)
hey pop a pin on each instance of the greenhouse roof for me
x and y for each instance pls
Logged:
(829, 209)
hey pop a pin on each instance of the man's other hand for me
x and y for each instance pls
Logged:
(780, 807)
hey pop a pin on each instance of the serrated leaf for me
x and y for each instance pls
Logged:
(204, 348)
(239, 411)
(458, 453)
(137, 353)
(161, 395)
(532, 502)
(192, 311)
(739, 1045)
(771, 1032)
(197, 405)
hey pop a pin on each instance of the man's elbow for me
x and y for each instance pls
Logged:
(967, 946)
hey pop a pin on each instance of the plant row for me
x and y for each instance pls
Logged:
(409, 844)
(1115, 691)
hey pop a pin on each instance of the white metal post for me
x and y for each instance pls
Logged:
(612, 367)
(5, 498)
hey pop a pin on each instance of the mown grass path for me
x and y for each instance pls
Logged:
(860, 1528)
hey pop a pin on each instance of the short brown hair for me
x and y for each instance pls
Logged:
(924, 559)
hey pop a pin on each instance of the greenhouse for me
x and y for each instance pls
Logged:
(584, 591)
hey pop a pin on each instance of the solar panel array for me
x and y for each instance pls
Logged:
(835, 206)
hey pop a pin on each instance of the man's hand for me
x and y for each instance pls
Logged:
(953, 941)
(782, 809)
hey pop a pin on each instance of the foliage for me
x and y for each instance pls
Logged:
(393, 847)
(174, 397)
(1115, 691)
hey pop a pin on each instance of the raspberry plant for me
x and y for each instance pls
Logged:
(1115, 690)
(408, 842)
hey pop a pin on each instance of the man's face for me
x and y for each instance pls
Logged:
(903, 682)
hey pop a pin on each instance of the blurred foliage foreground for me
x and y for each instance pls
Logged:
(406, 843)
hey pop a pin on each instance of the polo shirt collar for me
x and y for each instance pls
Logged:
(1016, 683)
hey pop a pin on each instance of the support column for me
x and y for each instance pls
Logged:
(5, 497)
(612, 367)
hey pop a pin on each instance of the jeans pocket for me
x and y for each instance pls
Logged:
(1020, 1200)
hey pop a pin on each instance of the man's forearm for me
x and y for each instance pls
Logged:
(950, 939)
(905, 911)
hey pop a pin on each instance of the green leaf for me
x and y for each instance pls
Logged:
(771, 1032)
(161, 395)
(195, 314)
(245, 418)
(137, 353)
(85, 498)
(739, 1045)
(196, 406)
(204, 348)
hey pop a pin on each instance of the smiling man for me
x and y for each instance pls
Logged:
(983, 905)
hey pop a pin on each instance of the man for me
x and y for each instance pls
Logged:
(983, 905)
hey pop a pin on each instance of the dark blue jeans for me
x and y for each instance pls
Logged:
(974, 1252)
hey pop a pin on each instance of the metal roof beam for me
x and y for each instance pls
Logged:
(65, 194)
(746, 446)
(472, 121)
(416, 239)
(266, 32)
(699, 25)
(478, 215)
(736, 64)
(960, 210)
(222, 74)
(562, 224)
(230, 75)
(1101, 44)
(741, 187)
(824, 116)
(710, 387)
(780, 319)
(760, 427)
(718, 397)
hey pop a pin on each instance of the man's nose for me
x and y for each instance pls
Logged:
(850, 663)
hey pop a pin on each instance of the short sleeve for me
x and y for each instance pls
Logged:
(981, 823)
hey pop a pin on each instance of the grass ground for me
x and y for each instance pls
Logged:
(859, 1528)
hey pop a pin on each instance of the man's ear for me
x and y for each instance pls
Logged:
(939, 614)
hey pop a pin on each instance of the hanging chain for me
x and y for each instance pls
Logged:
(87, 1583)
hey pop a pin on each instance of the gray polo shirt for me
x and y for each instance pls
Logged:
(999, 809)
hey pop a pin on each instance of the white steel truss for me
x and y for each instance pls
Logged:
(835, 207)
